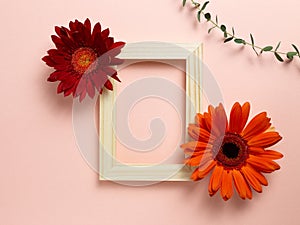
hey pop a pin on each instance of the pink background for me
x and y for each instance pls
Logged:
(167, 151)
(44, 179)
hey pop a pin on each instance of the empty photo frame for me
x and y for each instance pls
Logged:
(110, 168)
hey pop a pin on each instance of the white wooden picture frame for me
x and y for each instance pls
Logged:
(110, 168)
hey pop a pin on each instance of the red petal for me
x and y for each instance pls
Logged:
(57, 41)
(60, 88)
(99, 44)
(108, 85)
(58, 30)
(82, 95)
(68, 83)
(81, 86)
(87, 24)
(48, 61)
(117, 45)
(105, 33)
(109, 71)
(115, 77)
(96, 30)
(90, 89)
(109, 42)
(116, 61)
(58, 75)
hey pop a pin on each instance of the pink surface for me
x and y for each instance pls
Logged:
(141, 114)
(44, 179)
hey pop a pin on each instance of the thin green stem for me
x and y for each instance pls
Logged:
(215, 24)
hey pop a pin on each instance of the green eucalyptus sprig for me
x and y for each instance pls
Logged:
(230, 36)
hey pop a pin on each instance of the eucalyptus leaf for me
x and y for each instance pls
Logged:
(197, 5)
(252, 40)
(199, 16)
(228, 39)
(266, 49)
(277, 46)
(207, 16)
(290, 55)
(295, 47)
(223, 28)
(204, 5)
(278, 57)
(210, 29)
(252, 43)
(183, 3)
(240, 41)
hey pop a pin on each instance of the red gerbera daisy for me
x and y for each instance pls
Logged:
(83, 59)
(235, 152)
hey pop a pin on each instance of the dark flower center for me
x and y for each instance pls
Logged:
(230, 150)
(82, 60)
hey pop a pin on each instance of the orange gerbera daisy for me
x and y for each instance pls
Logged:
(235, 152)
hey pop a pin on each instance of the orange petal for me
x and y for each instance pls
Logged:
(215, 180)
(245, 114)
(211, 110)
(200, 121)
(257, 125)
(270, 154)
(197, 151)
(207, 168)
(207, 119)
(199, 159)
(235, 118)
(192, 152)
(265, 140)
(194, 175)
(262, 164)
(248, 191)
(219, 121)
(241, 186)
(195, 145)
(199, 134)
(251, 179)
(226, 185)
(193, 132)
(255, 150)
(259, 176)
(194, 161)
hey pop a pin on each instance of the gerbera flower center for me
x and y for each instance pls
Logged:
(82, 60)
(230, 150)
